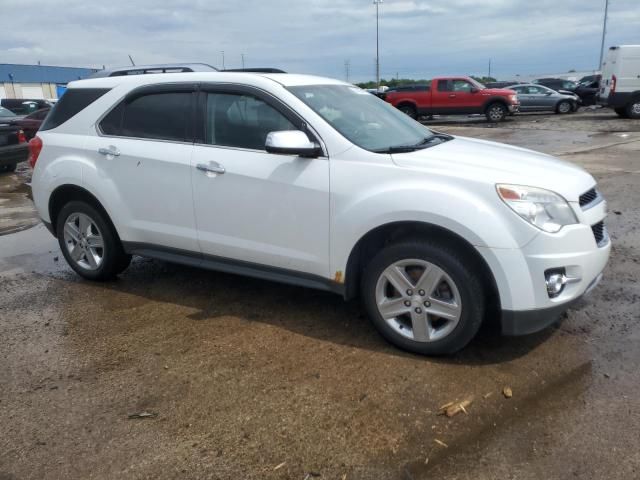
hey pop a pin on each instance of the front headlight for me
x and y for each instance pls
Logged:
(513, 98)
(542, 208)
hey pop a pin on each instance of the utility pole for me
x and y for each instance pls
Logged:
(222, 52)
(489, 76)
(242, 55)
(347, 66)
(604, 32)
(377, 4)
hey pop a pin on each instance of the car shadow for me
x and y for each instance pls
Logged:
(312, 313)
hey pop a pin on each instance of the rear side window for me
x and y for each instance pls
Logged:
(72, 102)
(156, 116)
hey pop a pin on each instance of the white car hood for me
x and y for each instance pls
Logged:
(493, 163)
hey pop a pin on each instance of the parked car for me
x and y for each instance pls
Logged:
(557, 84)
(586, 93)
(315, 182)
(620, 85)
(7, 116)
(500, 84)
(31, 123)
(454, 96)
(24, 106)
(13, 147)
(537, 98)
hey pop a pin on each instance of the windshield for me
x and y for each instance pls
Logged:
(6, 113)
(363, 118)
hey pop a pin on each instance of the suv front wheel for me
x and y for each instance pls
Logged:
(89, 242)
(423, 297)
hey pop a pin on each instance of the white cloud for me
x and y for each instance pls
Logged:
(418, 38)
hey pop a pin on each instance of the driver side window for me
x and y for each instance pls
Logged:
(242, 121)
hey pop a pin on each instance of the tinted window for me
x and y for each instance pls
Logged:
(461, 86)
(72, 102)
(444, 85)
(160, 116)
(112, 123)
(243, 121)
(518, 89)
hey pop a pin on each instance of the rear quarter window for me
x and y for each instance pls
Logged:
(72, 102)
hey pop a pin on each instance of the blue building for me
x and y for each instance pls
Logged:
(37, 81)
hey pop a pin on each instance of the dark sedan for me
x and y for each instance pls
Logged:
(31, 123)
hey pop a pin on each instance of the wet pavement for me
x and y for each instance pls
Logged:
(249, 379)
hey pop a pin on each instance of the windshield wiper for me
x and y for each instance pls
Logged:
(426, 142)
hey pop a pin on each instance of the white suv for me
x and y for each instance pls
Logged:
(318, 183)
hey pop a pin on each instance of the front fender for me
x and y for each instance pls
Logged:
(480, 222)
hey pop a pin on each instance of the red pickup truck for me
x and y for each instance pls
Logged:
(453, 96)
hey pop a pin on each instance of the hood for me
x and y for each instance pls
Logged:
(491, 163)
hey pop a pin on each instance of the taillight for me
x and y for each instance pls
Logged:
(613, 83)
(21, 137)
(35, 147)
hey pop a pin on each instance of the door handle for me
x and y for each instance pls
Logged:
(213, 167)
(113, 151)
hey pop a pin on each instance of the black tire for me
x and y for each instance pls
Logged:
(114, 259)
(496, 112)
(9, 168)
(409, 110)
(468, 283)
(633, 109)
(564, 107)
(622, 112)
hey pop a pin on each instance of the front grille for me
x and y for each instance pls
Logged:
(599, 233)
(588, 197)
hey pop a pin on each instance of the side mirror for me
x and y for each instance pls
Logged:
(474, 90)
(291, 142)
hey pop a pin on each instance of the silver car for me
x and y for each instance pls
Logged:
(537, 98)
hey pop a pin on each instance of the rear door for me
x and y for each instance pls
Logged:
(143, 150)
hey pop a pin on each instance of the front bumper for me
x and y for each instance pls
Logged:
(525, 322)
(519, 273)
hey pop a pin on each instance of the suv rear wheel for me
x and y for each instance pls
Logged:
(496, 112)
(89, 242)
(423, 297)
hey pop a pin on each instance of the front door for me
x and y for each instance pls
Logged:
(252, 206)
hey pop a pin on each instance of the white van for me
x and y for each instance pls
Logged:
(620, 86)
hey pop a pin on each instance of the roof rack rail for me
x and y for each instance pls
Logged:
(255, 70)
(152, 69)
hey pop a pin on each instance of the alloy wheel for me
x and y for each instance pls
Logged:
(84, 241)
(496, 113)
(418, 300)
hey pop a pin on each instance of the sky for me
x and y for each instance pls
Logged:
(418, 39)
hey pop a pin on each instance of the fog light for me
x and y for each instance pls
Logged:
(555, 281)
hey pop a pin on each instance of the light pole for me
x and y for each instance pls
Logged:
(604, 32)
(377, 4)
(242, 55)
(222, 52)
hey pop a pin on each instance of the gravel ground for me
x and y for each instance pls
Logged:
(255, 380)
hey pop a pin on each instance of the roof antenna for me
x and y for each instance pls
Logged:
(132, 62)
